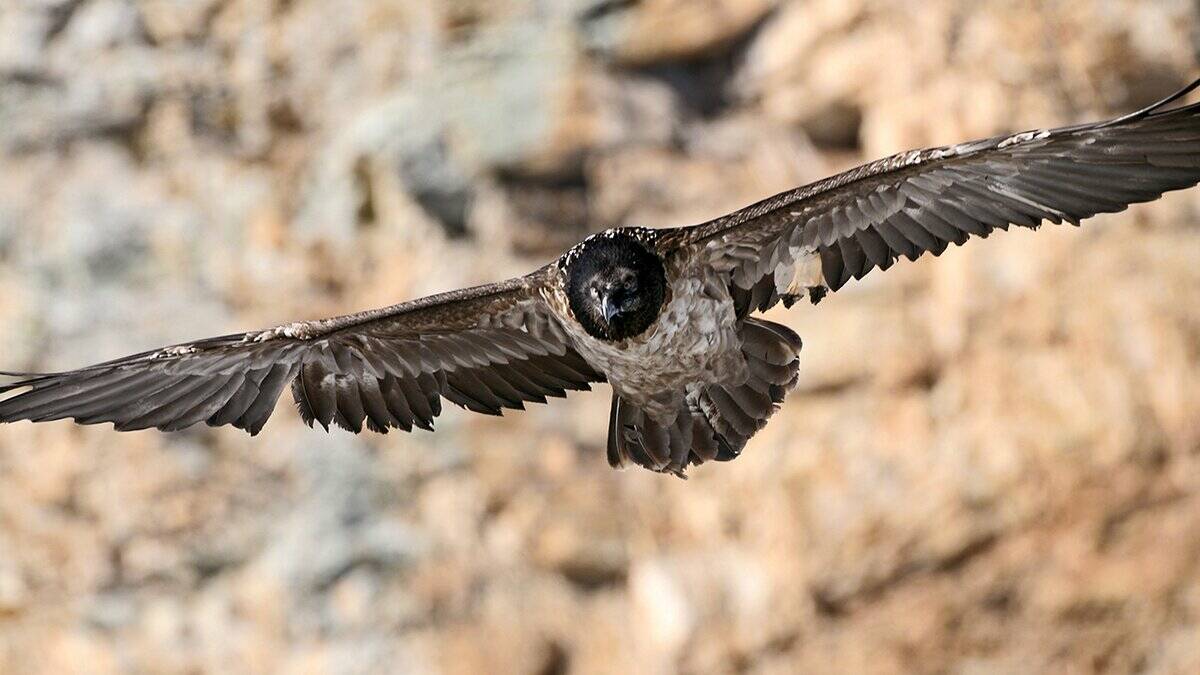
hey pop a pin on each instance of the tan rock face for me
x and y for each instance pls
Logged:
(653, 31)
(991, 464)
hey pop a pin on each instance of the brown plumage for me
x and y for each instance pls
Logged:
(663, 315)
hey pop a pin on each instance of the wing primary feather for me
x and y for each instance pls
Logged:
(397, 403)
(940, 227)
(350, 410)
(318, 388)
(467, 390)
(240, 401)
(501, 388)
(1013, 212)
(50, 394)
(259, 411)
(205, 408)
(916, 233)
(897, 241)
(416, 394)
(379, 419)
(108, 408)
(832, 268)
(875, 248)
(528, 389)
(853, 257)
(162, 409)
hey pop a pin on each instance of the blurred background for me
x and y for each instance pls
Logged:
(991, 465)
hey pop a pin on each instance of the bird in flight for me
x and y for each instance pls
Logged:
(664, 316)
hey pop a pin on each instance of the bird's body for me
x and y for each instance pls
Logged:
(693, 340)
(665, 316)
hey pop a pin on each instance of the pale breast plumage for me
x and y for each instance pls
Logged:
(694, 340)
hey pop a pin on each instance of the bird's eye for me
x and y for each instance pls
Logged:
(595, 291)
(629, 283)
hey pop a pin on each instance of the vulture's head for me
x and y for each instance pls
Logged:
(615, 285)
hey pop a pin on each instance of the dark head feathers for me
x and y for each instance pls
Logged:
(615, 283)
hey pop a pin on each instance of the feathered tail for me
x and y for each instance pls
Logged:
(716, 420)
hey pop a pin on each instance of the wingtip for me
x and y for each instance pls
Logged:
(22, 380)
(1154, 107)
(1193, 86)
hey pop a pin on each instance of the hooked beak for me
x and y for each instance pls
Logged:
(609, 308)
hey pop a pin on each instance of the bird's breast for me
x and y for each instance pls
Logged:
(694, 340)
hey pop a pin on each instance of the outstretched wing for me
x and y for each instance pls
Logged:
(845, 226)
(485, 349)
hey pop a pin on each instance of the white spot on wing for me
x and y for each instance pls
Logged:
(1024, 137)
(298, 330)
(180, 350)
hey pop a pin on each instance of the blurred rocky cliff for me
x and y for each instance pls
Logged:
(992, 464)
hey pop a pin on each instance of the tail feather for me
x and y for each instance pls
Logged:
(715, 421)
